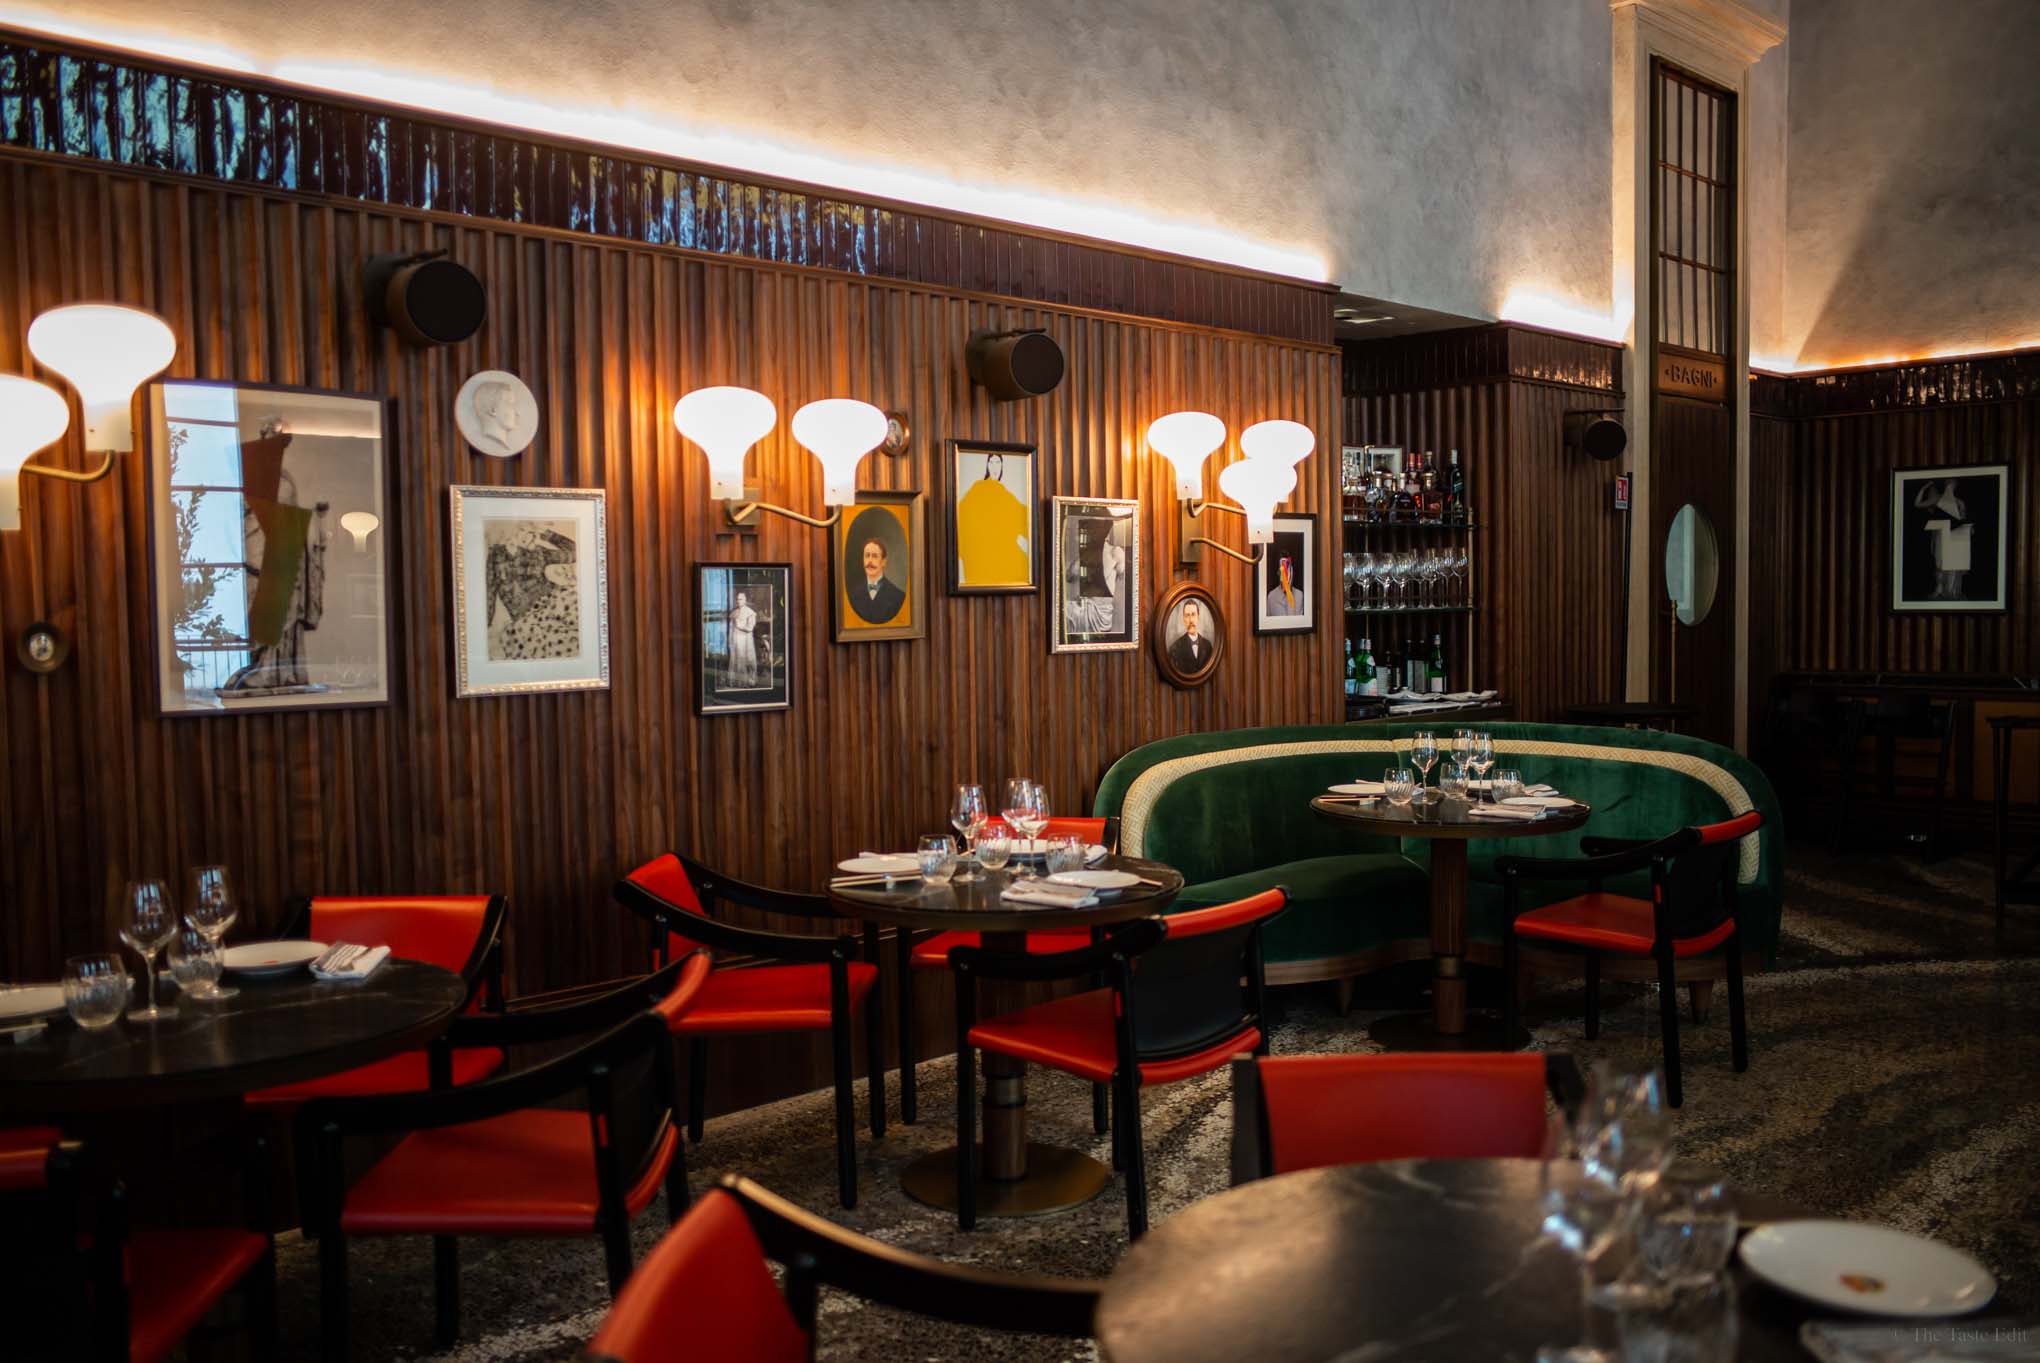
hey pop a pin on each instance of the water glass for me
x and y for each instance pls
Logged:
(147, 923)
(195, 965)
(1452, 779)
(1686, 1228)
(994, 846)
(1693, 1321)
(1400, 784)
(1065, 854)
(95, 990)
(937, 856)
(211, 909)
(1508, 783)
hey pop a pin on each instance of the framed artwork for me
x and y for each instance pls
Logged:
(260, 602)
(991, 518)
(530, 590)
(878, 559)
(1285, 580)
(1095, 545)
(1189, 635)
(743, 637)
(1949, 538)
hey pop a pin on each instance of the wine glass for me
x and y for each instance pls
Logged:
(1462, 747)
(1483, 757)
(1424, 752)
(1026, 813)
(96, 988)
(210, 908)
(1367, 573)
(1624, 1125)
(937, 856)
(966, 816)
(1585, 1211)
(148, 922)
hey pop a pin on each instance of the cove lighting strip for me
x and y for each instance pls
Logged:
(841, 171)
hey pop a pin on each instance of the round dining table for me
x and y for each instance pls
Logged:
(274, 1031)
(1016, 1176)
(1404, 1259)
(1448, 825)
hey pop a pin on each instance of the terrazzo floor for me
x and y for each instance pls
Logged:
(1892, 1077)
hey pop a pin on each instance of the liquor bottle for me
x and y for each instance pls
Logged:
(1406, 499)
(1432, 501)
(1352, 676)
(1455, 493)
(1370, 684)
(1437, 665)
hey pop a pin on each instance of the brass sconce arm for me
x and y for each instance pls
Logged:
(90, 476)
(744, 514)
(1249, 559)
(1198, 508)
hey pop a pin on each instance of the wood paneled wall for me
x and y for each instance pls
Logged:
(1823, 448)
(548, 799)
(1548, 582)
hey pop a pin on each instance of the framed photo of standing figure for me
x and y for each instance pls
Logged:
(991, 518)
(1189, 635)
(743, 637)
(530, 590)
(1949, 532)
(1285, 580)
(269, 547)
(878, 559)
(1095, 545)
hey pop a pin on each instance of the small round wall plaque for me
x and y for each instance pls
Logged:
(497, 414)
(899, 435)
(42, 647)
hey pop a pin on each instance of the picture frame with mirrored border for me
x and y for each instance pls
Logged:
(530, 590)
(1188, 635)
(991, 519)
(269, 528)
(878, 568)
(1950, 538)
(1285, 578)
(743, 638)
(1094, 559)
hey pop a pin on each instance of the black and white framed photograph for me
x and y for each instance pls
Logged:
(878, 557)
(1095, 547)
(991, 518)
(1285, 580)
(743, 637)
(1189, 635)
(1949, 538)
(530, 590)
(261, 601)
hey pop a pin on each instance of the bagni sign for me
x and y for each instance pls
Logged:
(1692, 376)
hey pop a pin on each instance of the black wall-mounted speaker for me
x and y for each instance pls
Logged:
(1011, 365)
(1597, 434)
(426, 299)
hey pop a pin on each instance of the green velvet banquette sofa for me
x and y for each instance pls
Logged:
(1231, 811)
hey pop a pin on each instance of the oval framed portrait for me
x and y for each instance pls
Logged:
(496, 414)
(1189, 635)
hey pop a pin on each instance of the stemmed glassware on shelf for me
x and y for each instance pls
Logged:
(148, 922)
(210, 909)
(967, 816)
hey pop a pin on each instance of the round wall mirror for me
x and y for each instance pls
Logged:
(1692, 564)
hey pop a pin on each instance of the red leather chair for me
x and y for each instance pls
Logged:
(503, 1156)
(462, 933)
(933, 954)
(1691, 911)
(706, 1295)
(1177, 1011)
(817, 990)
(1310, 1111)
(80, 1284)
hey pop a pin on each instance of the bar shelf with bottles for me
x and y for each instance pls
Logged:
(1408, 574)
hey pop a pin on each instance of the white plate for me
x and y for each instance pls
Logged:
(1096, 880)
(1543, 801)
(1038, 847)
(18, 1003)
(881, 866)
(270, 958)
(1360, 788)
(1862, 1267)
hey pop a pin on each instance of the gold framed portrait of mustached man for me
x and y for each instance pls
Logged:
(878, 559)
(991, 518)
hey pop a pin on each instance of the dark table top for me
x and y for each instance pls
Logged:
(975, 906)
(1445, 819)
(275, 1031)
(1427, 1259)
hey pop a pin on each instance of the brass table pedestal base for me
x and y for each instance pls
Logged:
(1057, 1179)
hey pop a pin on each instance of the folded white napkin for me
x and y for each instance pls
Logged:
(1508, 813)
(1538, 789)
(1359, 788)
(1541, 801)
(360, 968)
(1049, 896)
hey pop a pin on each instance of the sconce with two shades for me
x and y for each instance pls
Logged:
(1258, 483)
(727, 421)
(106, 352)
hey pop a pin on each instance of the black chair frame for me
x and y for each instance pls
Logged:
(483, 969)
(1253, 1146)
(622, 1029)
(819, 1253)
(1608, 857)
(1113, 958)
(836, 952)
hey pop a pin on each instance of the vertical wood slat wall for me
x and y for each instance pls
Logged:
(548, 799)
(1548, 580)
(1823, 450)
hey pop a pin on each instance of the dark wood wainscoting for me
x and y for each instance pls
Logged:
(549, 798)
(1693, 464)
